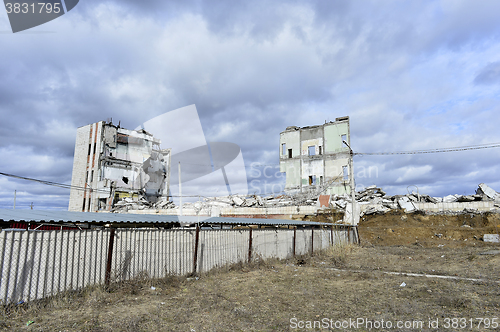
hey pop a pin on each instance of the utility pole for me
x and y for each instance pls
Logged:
(180, 191)
(15, 191)
(351, 178)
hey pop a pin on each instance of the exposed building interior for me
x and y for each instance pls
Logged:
(113, 163)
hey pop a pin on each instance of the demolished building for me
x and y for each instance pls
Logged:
(113, 163)
(315, 158)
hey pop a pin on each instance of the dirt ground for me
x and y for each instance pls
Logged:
(344, 288)
(397, 228)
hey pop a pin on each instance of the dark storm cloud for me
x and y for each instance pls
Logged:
(401, 71)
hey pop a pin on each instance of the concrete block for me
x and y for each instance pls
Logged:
(489, 191)
(494, 238)
(405, 204)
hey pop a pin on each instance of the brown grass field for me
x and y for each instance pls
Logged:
(318, 293)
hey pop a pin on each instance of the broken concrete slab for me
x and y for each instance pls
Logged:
(493, 238)
(450, 199)
(238, 201)
(466, 199)
(406, 205)
(488, 192)
(377, 209)
(490, 252)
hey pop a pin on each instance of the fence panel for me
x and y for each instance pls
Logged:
(218, 248)
(37, 264)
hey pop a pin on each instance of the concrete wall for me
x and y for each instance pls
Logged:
(292, 169)
(481, 206)
(79, 168)
(88, 147)
(38, 264)
(324, 166)
(333, 134)
(292, 141)
(440, 207)
(237, 211)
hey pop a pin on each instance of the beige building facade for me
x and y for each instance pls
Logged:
(315, 158)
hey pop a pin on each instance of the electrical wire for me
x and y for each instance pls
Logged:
(55, 184)
(440, 150)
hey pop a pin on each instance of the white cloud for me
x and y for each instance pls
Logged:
(408, 82)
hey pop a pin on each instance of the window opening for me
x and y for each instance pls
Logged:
(311, 150)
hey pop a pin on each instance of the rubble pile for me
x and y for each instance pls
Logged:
(239, 201)
(380, 203)
(378, 200)
(254, 201)
(127, 203)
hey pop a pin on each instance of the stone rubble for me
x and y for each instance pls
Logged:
(378, 199)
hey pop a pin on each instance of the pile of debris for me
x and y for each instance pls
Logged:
(380, 203)
(141, 203)
(377, 198)
(254, 201)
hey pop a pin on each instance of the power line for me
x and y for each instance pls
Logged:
(437, 150)
(440, 150)
(50, 183)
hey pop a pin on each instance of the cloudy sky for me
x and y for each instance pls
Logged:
(409, 74)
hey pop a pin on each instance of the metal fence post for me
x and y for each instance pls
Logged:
(312, 240)
(357, 235)
(331, 233)
(196, 240)
(294, 239)
(110, 257)
(250, 246)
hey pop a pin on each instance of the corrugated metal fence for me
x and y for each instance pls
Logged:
(37, 264)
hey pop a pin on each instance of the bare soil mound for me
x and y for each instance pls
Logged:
(399, 228)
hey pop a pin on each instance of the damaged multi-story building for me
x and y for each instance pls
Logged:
(112, 163)
(315, 158)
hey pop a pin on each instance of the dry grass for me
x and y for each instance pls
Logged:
(266, 295)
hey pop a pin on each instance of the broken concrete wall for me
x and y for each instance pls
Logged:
(488, 192)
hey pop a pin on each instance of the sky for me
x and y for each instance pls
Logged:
(410, 75)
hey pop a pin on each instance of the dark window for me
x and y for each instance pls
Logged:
(312, 180)
(95, 148)
(102, 203)
(289, 153)
(90, 148)
(320, 150)
(83, 208)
